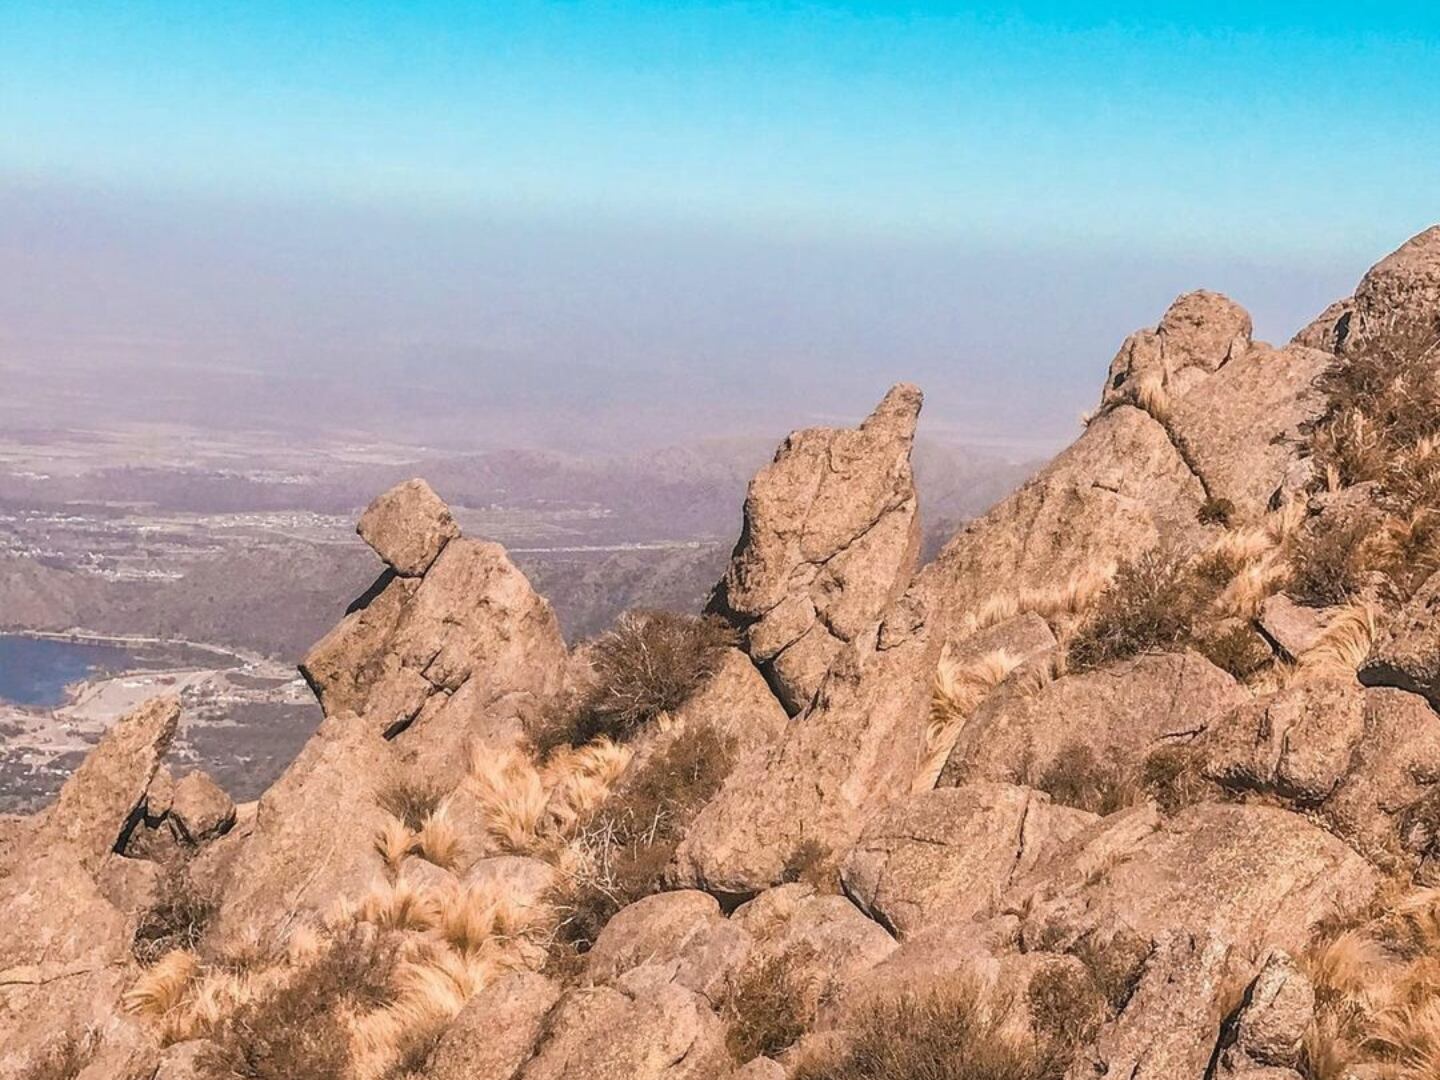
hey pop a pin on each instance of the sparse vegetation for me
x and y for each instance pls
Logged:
(177, 920)
(648, 665)
(1331, 562)
(771, 1004)
(1078, 778)
(1149, 607)
(618, 856)
(952, 1032)
(300, 1028)
(1215, 511)
(1114, 964)
(1171, 776)
(411, 802)
(813, 864)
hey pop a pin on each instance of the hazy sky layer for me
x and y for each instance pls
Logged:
(546, 203)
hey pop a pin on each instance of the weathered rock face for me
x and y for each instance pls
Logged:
(494, 1034)
(408, 527)
(845, 757)
(603, 1033)
(106, 794)
(1245, 875)
(1362, 762)
(461, 652)
(1407, 652)
(1168, 1028)
(952, 851)
(1399, 296)
(314, 834)
(1118, 714)
(1240, 428)
(1117, 491)
(831, 537)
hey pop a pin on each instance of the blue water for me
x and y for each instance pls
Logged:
(35, 671)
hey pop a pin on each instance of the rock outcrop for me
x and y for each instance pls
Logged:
(1057, 881)
(831, 537)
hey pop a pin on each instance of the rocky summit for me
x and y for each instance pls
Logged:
(1139, 778)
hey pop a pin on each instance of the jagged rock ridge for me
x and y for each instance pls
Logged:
(1128, 854)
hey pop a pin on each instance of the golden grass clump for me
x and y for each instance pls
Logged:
(958, 688)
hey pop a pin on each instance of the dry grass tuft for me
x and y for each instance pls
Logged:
(439, 840)
(164, 985)
(956, 692)
(411, 802)
(1343, 646)
(1070, 599)
(398, 905)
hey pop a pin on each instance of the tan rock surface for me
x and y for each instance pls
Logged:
(831, 537)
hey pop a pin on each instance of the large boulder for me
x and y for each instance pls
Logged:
(408, 526)
(1200, 333)
(313, 840)
(1362, 762)
(1116, 715)
(853, 750)
(463, 653)
(952, 851)
(105, 796)
(824, 933)
(603, 1033)
(200, 808)
(64, 953)
(831, 537)
(496, 1032)
(1241, 428)
(1398, 297)
(1406, 653)
(1247, 876)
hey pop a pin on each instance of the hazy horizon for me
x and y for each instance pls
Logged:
(578, 226)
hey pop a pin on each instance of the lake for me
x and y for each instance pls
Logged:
(35, 671)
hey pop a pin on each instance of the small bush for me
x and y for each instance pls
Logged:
(1237, 649)
(1066, 1005)
(649, 664)
(300, 1029)
(1078, 778)
(947, 1034)
(1216, 512)
(771, 1005)
(1331, 562)
(1114, 964)
(177, 920)
(626, 845)
(411, 802)
(1171, 776)
(1149, 607)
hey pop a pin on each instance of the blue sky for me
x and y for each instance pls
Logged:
(1301, 137)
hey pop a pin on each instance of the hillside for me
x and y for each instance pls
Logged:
(1136, 779)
